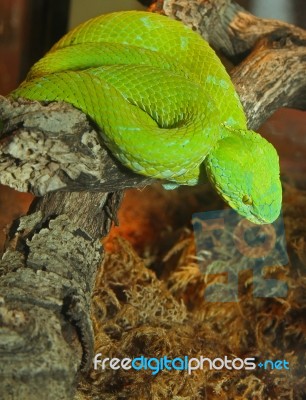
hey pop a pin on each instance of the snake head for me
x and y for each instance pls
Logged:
(244, 169)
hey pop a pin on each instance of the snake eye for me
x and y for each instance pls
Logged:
(247, 200)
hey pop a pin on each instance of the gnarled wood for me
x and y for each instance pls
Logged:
(53, 147)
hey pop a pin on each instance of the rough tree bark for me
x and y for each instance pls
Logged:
(48, 269)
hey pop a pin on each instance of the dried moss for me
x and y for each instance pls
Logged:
(162, 311)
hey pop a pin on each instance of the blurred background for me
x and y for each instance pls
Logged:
(28, 28)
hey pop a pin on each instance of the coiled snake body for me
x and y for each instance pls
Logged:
(165, 105)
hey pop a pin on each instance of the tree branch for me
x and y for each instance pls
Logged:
(47, 277)
(54, 147)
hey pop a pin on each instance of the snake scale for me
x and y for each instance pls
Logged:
(164, 105)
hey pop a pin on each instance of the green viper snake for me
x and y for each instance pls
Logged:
(164, 105)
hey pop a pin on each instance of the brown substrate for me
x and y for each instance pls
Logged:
(149, 298)
(155, 306)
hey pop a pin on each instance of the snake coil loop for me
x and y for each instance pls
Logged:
(165, 106)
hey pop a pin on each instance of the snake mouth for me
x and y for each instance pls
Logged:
(258, 220)
(246, 208)
(249, 212)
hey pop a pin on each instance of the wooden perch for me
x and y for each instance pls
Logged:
(47, 277)
(54, 147)
(48, 270)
